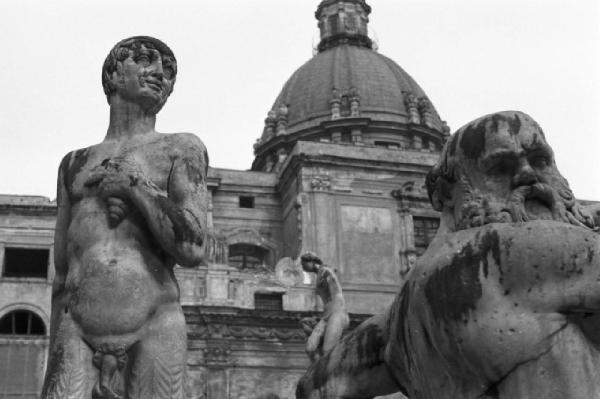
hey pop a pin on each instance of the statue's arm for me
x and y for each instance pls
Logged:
(61, 262)
(63, 217)
(177, 218)
(554, 269)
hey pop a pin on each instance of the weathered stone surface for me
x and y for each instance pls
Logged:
(129, 208)
(505, 302)
(372, 228)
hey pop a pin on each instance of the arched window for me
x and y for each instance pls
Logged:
(22, 322)
(248, 256)
(23, 345)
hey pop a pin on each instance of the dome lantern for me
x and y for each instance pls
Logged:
(343, 22)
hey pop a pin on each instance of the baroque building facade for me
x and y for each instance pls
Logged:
(339, 170)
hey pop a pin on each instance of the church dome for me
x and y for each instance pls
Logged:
(348, 93)
(381, 86)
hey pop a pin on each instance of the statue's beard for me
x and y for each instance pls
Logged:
(539, 201)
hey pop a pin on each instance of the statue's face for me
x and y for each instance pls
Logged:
(146, 78)
(514, 156)
(309, 267)
(499, 168)
(505, 171)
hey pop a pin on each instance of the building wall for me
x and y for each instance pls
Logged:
(25, 223)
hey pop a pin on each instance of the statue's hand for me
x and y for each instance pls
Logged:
(117, 210)
(115, 177)
(308, 325)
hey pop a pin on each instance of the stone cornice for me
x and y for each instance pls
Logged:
(223, 323)
(325, 128)
(28, 210)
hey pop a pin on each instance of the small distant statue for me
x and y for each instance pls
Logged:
(129, 209)
(325, 333)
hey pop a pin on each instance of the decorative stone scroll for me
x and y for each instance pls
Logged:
(216, 355)
(270, 125)
(320, 183)
(354, 102)
(426, 112)
(412, 107)
(335, 104)
(345, 103)
(223, 331)
(282, 119)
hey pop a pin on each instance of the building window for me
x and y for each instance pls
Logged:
(22, 322)
(270, 301)
(386, 144)
(333, 23)
(247, 256)
(21, 359)
(345, 106)
(26, 262)
(246, 202)
(425, 230)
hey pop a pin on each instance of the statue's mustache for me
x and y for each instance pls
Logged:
(541, 191)
(546, 194)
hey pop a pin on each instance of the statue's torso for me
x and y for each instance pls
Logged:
(329, 290)
(121, 267)
(481, 303)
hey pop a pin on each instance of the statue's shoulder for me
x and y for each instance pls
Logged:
(76, 156)
(184, 140)
(523, 241)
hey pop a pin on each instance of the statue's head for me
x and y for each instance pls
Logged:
(310, 262)
(499, 168)
(140, 69)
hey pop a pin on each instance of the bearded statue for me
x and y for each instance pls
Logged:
(499, 169)
(505, 302)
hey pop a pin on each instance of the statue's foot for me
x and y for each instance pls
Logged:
(104, 392)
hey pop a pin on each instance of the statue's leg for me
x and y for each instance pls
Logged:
(70, 373)
(157, 363)
(336, 324)
(314, 346)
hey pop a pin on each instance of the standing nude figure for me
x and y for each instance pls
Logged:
(328, 331)
(129, 209)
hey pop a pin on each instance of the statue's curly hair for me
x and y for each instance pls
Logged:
(120, 52)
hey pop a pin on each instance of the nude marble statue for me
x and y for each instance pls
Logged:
(129, 209)
(504, 303)
(326, 332)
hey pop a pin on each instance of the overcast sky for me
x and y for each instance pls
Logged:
(471, 57)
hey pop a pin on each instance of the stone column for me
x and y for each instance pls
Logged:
(323, 220)
(408, 254)
(216, 359)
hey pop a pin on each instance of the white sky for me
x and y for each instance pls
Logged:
(471, 57)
